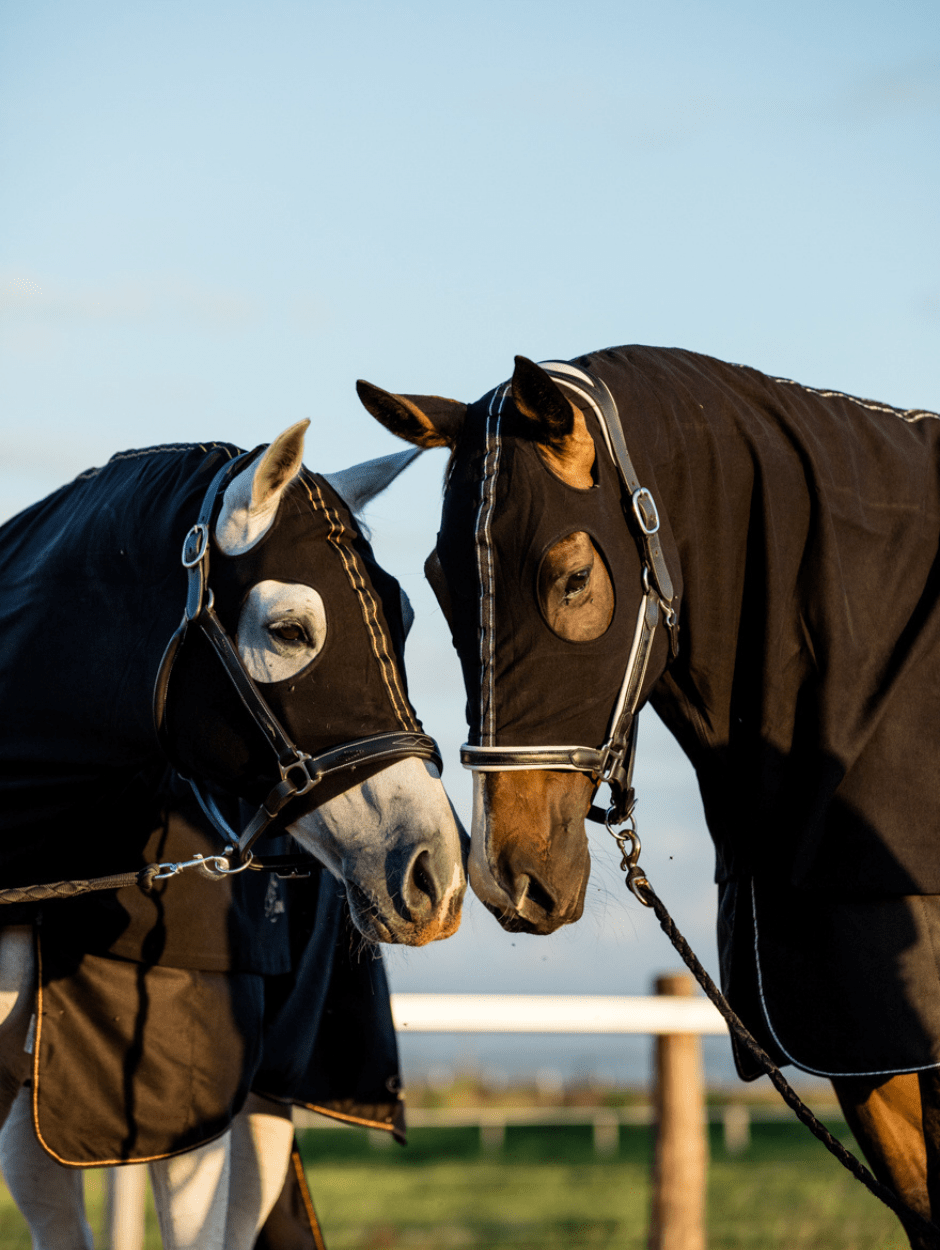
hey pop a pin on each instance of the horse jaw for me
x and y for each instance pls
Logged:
(396, 844)
(251, 500)
(529, 858)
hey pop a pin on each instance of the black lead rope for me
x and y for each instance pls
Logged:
(638, 884)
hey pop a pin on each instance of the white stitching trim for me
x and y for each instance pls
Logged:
(387, 666)
(88, 474)
(484, 551)
(773, 1032)
(904, 414)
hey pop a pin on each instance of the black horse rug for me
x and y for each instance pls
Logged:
(158, 1012)
(262, 982)
(801, 531)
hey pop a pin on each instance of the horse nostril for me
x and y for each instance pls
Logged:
(421, 892)
(535, 892)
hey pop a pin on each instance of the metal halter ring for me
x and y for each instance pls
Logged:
(310, 779)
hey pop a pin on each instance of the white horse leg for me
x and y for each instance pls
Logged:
(219, 1195)
(50, 1197)
(262, 1136)
(191, 1195)
(17, 987)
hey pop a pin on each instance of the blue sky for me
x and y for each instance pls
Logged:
(215, 217)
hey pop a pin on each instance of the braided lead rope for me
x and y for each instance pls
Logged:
(70, 889)
(640, 886)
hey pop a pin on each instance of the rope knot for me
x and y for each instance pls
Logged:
(146, 878)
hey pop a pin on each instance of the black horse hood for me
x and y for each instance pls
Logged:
(504, 509)
(354, 687)
(93, 589)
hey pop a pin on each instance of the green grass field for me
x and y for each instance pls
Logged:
(547, 1190)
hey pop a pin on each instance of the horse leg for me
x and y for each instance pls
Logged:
(191, 1194)
(220, 1194)
(262, 1137)
(50, 1197)
(929, 1082)
(17, 994)
(885, 1115)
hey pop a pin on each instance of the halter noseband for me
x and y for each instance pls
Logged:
(299, 771)
(613, 761)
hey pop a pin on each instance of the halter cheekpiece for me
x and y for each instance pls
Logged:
(300, 773)
(612, 762)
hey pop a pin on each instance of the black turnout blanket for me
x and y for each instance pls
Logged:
(801, 528)
(805, 528)
(156, 1013)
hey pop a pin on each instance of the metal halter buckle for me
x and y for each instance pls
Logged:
(200, 535)
(612, 758)
(300, 762)
(645, 511)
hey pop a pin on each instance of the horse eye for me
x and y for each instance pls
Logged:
(576, 584)
(288, 631)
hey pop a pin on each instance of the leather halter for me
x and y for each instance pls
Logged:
(299, 771)
(613, 761)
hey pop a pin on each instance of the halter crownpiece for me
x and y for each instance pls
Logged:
(299, 771)
(612, 762)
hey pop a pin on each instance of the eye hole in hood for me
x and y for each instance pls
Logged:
(575, 593)
(282, 627)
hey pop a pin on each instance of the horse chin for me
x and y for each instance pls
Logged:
(386, 926)
(531, 918)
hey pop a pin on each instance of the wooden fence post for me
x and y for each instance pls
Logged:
(677, 1218)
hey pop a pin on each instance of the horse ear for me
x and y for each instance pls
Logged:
(360, 484)
(551, 420)
(425, 420)
(251, 500)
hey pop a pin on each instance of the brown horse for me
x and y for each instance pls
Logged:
(759, 561)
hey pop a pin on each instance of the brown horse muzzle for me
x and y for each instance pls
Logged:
(529, 859)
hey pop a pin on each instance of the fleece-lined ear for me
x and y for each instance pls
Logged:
(360, 484)
(550, 419)
(425, 420)
(251, 500)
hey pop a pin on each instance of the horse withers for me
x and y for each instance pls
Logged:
(282, 694)
(758, 559)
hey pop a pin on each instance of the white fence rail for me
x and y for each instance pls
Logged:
(553, 1013)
